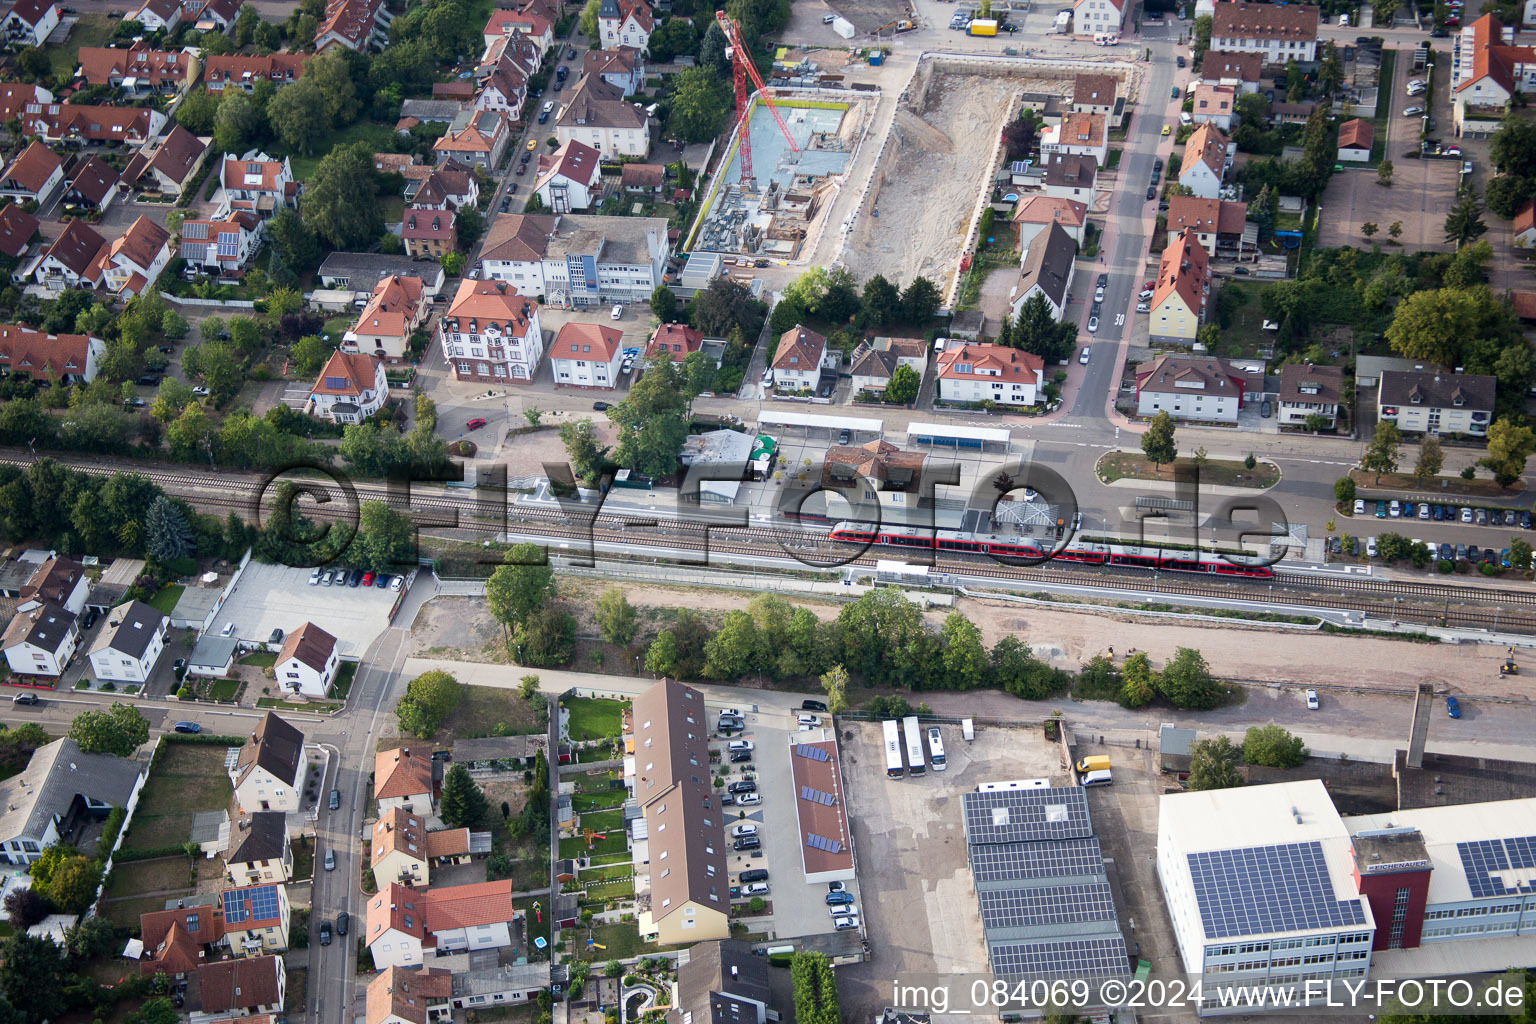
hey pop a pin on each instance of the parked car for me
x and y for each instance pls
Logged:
(1264, 409)
(742, 786)
(1370, 548)
(1151, 192)
(1408, 510)
(812, 705)
(1412, 111)
(335, 801)
(836, 887)
(845, 923)
(747, 843)
(1381, 510)
(1424, 510)
(355, 578)
(740, 756)
(749, 799)
(1466, 514)
(1482, 517)
(1395, 508)
(837, 899)
(325, 933)
(91, 615)
(1312, 704)
(745, 829)
(330, 860)
(367, 579)
(189, 728)
(1447, 553)
(1093, 324)
(1359, 506)
(343, 919)
(755, 889)
(25, 698)
(1453, 707)
(601, 406)
(314, 578)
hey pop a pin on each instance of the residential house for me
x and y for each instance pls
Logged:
(85, 123)
(643, 179)
(308, 661)
(404, 926)
(1037, 211)
(61, 789)
(598, 114)
(569, 178)
(1207, 158)
(167, 164)
(16, 98)
(260, 851)
(1524, 225)
(176, 942)
(256, 919)
(797, 360)
(1180, 292)
(1189, 388)
(1094, 94)
(58, 581)
(70, 261)
(404, 851)
(34, 174)
(587, 356)
(1280, 32)
(1426, 402)
(1240, 71)
(429, 233)
(219, 991)
(361, 272)
(1070, 177)
(354, 25)
(450, 187)
(1215, 104)
(129, 645)
(1487, 73)
(723, 982)
(243, 71)
(211, 15)
(29, 23)
(269, 773)
(223, 247)
(510, 50)
(1095, 17)
(157, 15)
(531, 25)
(502, 79)
(258, 184)
(678, 341)
(17, 229)
(1078, 135)
(69, 359)
(399, 996)
(623, 68)
(131, 262)
(141, 70)
(385, 326)
(875, 359)
(1307, 390)
(1046, 269)
(491, 333)
(477, 138)
(1217, 224)
(682, 862)
(1355, 140)
(403, 779)
(624, 23)
(40, 643)
(350, 388)
(513, 251)
(990, 373)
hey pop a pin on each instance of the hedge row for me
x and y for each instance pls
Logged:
(150, 853)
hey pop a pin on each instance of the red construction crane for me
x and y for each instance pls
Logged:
(740, 56)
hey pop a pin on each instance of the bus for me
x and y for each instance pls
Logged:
(936, 749)
(914, 734)
(893, 766)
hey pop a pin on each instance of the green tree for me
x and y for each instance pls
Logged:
(1519, 553)
(807, 290)
(34, 975)
(834, 683)
(119, 729)
(1016, 671)
(1138, 683)
(1039, 332)
(1330, 70)
(1369, 229)
(734, 649)
(663, 656)
(920, 301)
(882, 302)
(903, 386)
(160, 1009)
(546, 637)
(309, 355)
(330, 73)
(1202, 37)
(298, 113)
(1344, 490)
(652, 421)
(1464, 223)
(34, 63)
(236, 123)
(463, 804)
(429, 698)
(167, 535)
(1157, 443)
(1506, 194)
(1273, 747)
(1431, 325)
(453, 263)
(71, 888)
(1381, 454)
(1384, 173)
(700, 101)
(815, 989)
(338, 203)
(727, 305)
(587, 24)
(1509, 445)
(1431, 458)
(522, 584)
(664, 304)
(615, 616)
(295, 241)
(1513, 148)
(1186, 681)
(963, 655)
(385, 541)
(587, 456)
(1213, 764)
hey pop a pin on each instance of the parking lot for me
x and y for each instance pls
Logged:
(795, 907)
(269, 597)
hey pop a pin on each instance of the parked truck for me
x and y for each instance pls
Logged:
(1063, 21)
(983, 27)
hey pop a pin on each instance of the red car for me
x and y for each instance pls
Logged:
(367, 579)
(474, 424)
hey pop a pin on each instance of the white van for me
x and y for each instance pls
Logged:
(1098, 778)
(1344, 21)
(1106, 39)
(1185, 118)
(738, 746)
(804, 719)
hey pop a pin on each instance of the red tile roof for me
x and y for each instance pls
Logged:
(397, 993)
(1207, 144)
(574, 161)
(594, 342)
(352, 20)
(1525, 217)
(1264, 21)
(397, 908)
(16, 229)
(391, 309)
(141, 243)
(1357, 134)
(428, 226)
(994, 362)
(32, 169)
(93, 179)
(465, 906)
(491, 302)
(16, 97)
(800, 348)
(1491, 58)
(642, 175)
(1206, 215)
(1043, 209)
(678, 339)
(40, 354)
(278, 68)
(77, 247)
(400, 773)
(174, 939)
(1184, 270)
(517, 238)
(348, 375)
(101, 65)
(237, 984)
(310, 644)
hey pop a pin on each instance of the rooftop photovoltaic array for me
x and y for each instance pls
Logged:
(1023, 907)
(1264, 889)
(1483, 858)
(1028, 815)
(806, 750)
(817, 842)
(816, 796)
(258, 904)
(1001, 862)
(1068, 959)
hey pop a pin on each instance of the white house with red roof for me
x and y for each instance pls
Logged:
(1207, 158)
(1181, 291)
(353, 25)
(405, 927)
(257, 183)
(16, 230)
(980, 372)
(404, 779)
(70, 262)
(222, 246)
(624, 23)
(531, 25)
(491, 333)
(139, 70)
(350, 389)
(384, 328)
(1037, 211)
(1281, 32)
(796, 362)
(35, 174)
(1091, 17)
(84, 122)
(309, 660)
(1214, 103)
(132, 261)
(157, 15)
(587, 356)
(69, 357)
(449, 187)
(29, 22)
(570, 178)
(1077, 134)
(167, 163)
(477, 138)
(1491, 71)
(677, 340)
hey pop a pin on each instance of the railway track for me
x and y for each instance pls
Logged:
(1434, 604)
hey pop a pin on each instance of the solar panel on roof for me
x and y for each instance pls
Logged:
(1262, 889)
(1001, 862)
(806, 750)
(1484, 859)
(817, 842)
(816, 796)
(1026, 815)
(1068, 959)
(259, 904)
(1029, 906)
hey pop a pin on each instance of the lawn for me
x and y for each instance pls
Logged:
(591, 755)
(536, 928)
(165, 600)
(285, 705)
(603, 821)
(590, 875)
(260, 659)
(303, 859)
(188, 778)
(592, 718)
(166, 874)
(90, 30)
(576, 846)
(377, 136)
(1135, 466)
(125, 913)
(343, 684)
(584, 802)
(225, 690)
(618, 941)
(1245, 337)
(484, 711)
(598, 783)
